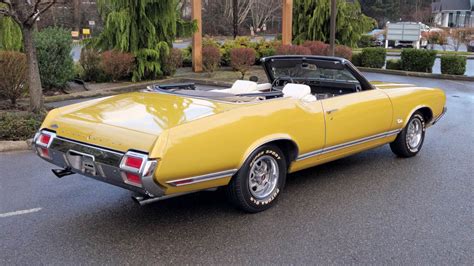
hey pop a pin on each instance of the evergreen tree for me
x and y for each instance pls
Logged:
(10, 35)
(311, 20)
(145, 28)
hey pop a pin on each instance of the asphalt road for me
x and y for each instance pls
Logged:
(371, 208)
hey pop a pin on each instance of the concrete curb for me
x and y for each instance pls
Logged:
(21, 145)
(415, 74)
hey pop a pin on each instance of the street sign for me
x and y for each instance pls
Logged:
(86, 31)
(75, 34)
(91, 23)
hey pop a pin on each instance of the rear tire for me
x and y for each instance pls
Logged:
(410, 140)
(259, 182)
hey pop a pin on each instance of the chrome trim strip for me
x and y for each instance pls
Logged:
(202, 178)
(346, 145)
(445, 109)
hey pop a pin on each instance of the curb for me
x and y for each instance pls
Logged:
(21, 145)
(415, 74)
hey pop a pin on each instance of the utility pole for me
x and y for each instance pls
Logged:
(332, 38)
(235, 17)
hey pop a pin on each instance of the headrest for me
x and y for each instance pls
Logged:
(243, 86)
(297, 91)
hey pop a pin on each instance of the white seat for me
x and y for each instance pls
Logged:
(241, 87)
(264, 87)
(298, 91)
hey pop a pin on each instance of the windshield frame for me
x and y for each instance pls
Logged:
(341, 63)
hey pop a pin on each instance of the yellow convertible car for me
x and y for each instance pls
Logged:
(171, 140)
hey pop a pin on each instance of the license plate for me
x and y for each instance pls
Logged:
(82, 162)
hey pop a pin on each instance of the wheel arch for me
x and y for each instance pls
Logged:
(285, 143)
(425, 110)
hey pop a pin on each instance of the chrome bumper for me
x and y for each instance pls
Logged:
(106, 164)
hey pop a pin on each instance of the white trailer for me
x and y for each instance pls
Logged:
(406, 34)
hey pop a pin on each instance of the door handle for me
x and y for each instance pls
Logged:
(331, 111)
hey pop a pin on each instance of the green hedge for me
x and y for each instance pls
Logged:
(373, 57)
(19, 125)
(453, 65)
(356, 59)
(55, 62)
(418, 60)
(394, 64)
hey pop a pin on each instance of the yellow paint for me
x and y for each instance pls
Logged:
(193, 137)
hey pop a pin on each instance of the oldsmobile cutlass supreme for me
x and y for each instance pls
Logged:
(172, 140)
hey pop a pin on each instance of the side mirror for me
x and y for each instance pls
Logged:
(253, 78)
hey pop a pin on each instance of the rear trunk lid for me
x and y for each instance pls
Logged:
(129, 121)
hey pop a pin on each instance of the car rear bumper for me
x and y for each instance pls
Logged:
(105, 163)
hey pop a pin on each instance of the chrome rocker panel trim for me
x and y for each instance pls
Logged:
(202, 178)
(445, 109)
(346, 145)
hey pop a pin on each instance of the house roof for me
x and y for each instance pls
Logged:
(456, 5)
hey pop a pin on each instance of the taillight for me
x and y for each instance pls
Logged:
(136, 165)
(43, 140)
(134, 162)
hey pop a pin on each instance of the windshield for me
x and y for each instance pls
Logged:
(310, 69)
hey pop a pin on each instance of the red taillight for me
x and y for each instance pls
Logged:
(133, 179)
(44, 139)
(43, 152)
(134, 162)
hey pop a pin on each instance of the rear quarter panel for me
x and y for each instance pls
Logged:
(223, 141)
(406, 100)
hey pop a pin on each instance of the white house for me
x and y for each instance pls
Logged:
(453, 13)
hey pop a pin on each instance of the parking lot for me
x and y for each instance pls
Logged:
(368, 208)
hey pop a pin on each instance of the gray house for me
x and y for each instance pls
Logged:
(453, 13)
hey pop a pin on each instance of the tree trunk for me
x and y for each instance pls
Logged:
(34, 79)
(235, 17)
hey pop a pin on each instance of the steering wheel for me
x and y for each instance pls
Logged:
(286, 78)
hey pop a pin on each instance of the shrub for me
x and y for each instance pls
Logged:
(373, 57)
(293, 50)
(239, 42)
(356, 59)
(317, 47)
(242, 59)
(453, 65)
(366, 41)
(266, 48)
(54, 57)
(394, 64)
(343, 51)
(211, 58)
(78, 71)
(117, 65)
(90, 62)
(173, 61)
(418, 60)
(19, 125)
(13, 75)
(187, 56)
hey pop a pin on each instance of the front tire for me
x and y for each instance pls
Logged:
(410, 140)
(259, 182)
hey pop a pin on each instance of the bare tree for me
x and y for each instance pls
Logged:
(261, 11)
(25, 13)
(238, 10)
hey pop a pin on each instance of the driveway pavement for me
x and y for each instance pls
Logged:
(370, 208)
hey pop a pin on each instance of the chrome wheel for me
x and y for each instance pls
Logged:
(263, 176)
(414, 134)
